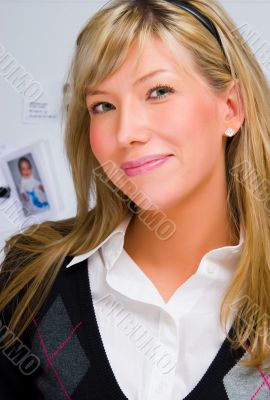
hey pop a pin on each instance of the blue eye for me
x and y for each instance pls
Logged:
(166, 88)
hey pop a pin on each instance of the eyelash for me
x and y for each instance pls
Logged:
(158, 86)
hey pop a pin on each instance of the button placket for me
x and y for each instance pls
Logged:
(163, 373)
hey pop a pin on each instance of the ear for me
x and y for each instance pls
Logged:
(233, 113)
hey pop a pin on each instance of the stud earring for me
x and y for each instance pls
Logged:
(230, 132)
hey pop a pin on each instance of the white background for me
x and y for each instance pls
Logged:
(41, 36)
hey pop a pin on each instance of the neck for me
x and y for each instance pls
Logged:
(201, 224)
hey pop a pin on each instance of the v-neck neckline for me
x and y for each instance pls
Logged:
(97, 354)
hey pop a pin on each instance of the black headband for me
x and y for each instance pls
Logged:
(202, 18)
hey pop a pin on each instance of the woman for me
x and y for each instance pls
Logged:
(160, 290)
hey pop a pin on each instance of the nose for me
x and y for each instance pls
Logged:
(132, 125)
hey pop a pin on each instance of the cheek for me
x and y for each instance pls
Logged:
(206, 140)
(102, 150)
(192, 135)
(192, 126)
(98, 143)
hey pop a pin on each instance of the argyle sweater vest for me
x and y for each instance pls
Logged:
(61, 355)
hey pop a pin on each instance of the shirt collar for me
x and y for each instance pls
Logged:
(112, 246)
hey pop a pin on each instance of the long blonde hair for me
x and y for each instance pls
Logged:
(33, 258)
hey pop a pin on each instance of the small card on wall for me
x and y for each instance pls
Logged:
(46, 108)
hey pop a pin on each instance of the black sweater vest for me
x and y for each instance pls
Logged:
(61, 354)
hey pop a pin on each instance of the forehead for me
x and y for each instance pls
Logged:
(155, 54)
(158, 53)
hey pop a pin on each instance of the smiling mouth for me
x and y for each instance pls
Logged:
(147, 166)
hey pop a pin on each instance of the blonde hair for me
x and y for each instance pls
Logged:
(34, 257)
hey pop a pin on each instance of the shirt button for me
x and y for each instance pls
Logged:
(210, 268)
(161, 387)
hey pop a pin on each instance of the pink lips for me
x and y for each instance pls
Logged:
(143, 160)
(144, 164)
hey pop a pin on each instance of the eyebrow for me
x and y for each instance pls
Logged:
(90, 92)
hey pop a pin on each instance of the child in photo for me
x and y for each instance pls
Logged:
(31, 189)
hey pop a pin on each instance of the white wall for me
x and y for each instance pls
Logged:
(41, 37)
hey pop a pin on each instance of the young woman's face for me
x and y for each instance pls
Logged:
(25, 169)
(181, 117)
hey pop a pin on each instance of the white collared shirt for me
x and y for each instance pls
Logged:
(157, 350)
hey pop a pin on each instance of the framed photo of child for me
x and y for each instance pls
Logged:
(30, 188)
(28, 173)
